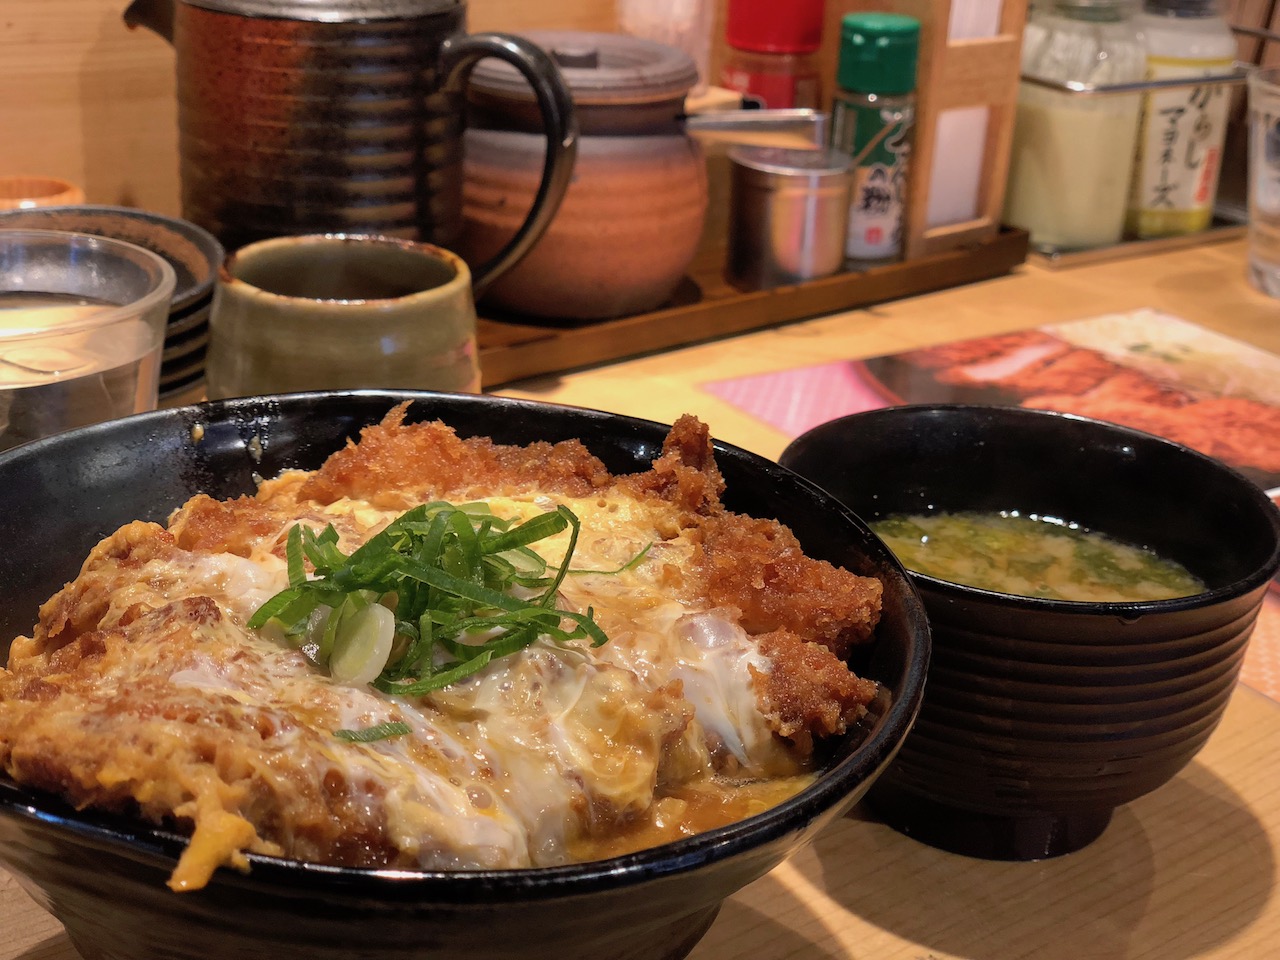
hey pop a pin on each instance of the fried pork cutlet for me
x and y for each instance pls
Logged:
(978, 350)
(144, 689)
(1238, 430)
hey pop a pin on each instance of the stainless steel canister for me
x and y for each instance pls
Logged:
(789, 209)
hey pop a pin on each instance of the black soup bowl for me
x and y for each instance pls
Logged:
(104, 876)
(1042, 716)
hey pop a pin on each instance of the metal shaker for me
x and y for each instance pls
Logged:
(789, 209)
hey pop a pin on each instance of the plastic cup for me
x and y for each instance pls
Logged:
(82, 322)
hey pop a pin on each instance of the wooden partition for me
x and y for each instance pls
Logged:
(954, 74)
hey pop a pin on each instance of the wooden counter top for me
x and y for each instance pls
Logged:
(1203, 284)
(1186, 873)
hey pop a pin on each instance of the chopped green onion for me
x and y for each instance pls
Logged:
(362, 645)
(629, 565)
(382, 731)
(448, 573)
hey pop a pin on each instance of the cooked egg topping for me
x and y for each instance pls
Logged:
(223, 674)
(539, 750)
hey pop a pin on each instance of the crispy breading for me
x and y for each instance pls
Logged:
(137, 693)
(80, 606)
(393, 463)
(810, 693)
(685, 475)
(759, 568)
(231, 526)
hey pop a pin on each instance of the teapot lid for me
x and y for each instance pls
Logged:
(328, 11)
(598, 69)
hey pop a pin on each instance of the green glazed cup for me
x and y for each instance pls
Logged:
(341, 312)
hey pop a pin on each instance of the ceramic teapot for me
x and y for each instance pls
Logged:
(342, 116)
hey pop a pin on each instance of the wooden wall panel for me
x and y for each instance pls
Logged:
(1250, 13)
(84, 98)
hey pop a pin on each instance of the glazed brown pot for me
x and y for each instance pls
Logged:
(630, 222)
(342, 116)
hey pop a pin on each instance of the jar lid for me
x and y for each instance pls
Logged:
(766, 26)
(598, 68)
(1184, 8)
(878, 52)
(329, 11)
(814, 166)
(1104, 7)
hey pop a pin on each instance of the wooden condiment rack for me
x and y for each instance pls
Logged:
(952, 74)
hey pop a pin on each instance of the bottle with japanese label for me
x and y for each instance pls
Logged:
(871, 120)
(1179, 153)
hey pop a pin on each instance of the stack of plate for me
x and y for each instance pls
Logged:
(194, 254)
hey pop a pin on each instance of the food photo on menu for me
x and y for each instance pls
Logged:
(1142, 369)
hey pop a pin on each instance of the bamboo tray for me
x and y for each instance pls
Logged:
(705, 307)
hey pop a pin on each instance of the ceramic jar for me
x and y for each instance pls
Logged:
(631, 219)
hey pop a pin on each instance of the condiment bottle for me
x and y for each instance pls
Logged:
(1179, 153)
(1072, 153)
(771, 51)
(871, 120)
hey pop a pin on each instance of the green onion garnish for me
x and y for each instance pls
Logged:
(381, 731)
(448, 575)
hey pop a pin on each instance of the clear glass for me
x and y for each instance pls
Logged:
(1264, 180)
(82, 322)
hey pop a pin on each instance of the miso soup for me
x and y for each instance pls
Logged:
(1032, 556)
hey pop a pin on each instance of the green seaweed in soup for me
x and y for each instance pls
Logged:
(1032, 557)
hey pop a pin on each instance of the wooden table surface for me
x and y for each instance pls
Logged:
(1186, 872)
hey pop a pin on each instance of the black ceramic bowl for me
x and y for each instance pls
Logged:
(1042, 716)
(104, 877)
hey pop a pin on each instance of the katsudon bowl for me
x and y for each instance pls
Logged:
(1044, 715)
(104, 876)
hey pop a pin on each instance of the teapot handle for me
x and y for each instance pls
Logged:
(458, 55)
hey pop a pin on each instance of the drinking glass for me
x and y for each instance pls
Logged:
(1264, 180)
(82, 322)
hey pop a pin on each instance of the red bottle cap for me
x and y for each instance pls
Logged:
(767, 26)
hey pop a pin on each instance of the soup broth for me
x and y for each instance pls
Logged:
(1032, 556)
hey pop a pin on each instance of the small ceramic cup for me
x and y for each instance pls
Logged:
(24, 193)
(332, 311)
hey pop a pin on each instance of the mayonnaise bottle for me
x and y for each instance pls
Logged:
(1179, 154)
